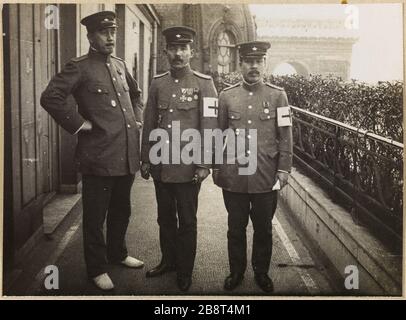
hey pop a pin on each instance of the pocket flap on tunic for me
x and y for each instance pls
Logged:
(267, 116)
(187, 105)
(234, 115)
(98, 88)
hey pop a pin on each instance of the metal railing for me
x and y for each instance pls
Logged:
(363, 170)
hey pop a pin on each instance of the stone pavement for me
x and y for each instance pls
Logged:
(295, 269)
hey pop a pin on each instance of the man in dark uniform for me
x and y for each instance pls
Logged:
(246, 108)
(107, 123)
(178, 99)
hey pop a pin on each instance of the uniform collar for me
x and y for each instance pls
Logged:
(252, 86)
(180, 73)
(94, 54)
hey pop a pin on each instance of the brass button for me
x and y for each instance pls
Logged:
(128, 126)
(249, 121)
(170, 110)
(176, 80)
(169, 126)
(113, 103)
(250, 93)
(119, 94)
(250, 107)
(99, 90)
(124, 109)
(114, 79)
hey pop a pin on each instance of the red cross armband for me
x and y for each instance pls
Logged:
(284, 116)
(210, 107)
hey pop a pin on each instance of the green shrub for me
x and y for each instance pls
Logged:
(376, 108)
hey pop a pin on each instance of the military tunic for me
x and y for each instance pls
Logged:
(190, 98)
(107, 96)
(108, 155)
(177, 97)
(243, 107)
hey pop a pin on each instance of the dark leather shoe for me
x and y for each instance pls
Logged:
(160, 270)
(233, 281)
(184, 283)
(264, 282)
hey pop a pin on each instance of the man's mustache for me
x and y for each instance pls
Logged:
(253, 73)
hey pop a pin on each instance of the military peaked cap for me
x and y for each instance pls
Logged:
(253, 48)
(179, 34)
(99, 21)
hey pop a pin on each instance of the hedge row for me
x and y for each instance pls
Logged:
(376, 108)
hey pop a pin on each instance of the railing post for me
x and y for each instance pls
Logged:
(336, 160)
(354, 209)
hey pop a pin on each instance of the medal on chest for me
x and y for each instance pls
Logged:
(266, 105)
(189, 94)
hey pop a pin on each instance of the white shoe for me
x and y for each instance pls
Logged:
(131, 262)
(103, 282)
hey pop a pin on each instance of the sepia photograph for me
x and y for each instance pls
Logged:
(200, 150)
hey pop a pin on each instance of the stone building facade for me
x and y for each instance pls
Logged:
(310, 46)
(219, 28)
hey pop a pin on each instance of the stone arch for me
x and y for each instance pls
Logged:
(300, 67)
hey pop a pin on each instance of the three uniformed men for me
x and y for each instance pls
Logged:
(107, 122)
(254, 109)
(179, 99)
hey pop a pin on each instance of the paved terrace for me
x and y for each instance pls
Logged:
(295, 268)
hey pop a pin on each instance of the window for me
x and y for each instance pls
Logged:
(225, 53)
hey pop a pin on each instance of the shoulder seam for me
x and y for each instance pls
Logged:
(161, 75)
(117, 58)
(202, 75)
(274, 86)
(81, 58)
(232, 86)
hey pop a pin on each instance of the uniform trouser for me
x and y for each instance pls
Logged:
(261, 208)
(177, 209)
(105, 196)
